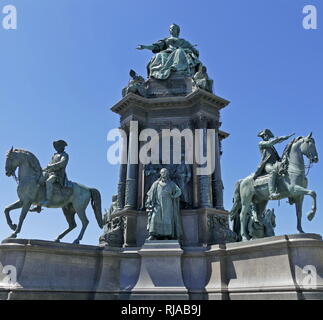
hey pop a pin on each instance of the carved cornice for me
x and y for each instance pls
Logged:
(171, 102)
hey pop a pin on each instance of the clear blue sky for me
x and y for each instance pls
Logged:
(68, 60)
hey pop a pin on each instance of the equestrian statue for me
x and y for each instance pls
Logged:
(49, 188)
(276, 178)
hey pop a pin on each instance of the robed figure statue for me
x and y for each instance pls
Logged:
(164, 220)
(173, 54)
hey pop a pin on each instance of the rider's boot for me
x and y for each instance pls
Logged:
(272, 186)
(49, 193)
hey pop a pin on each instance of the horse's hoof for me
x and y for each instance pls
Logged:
(76, 241)
(13, 227)
(310, 216)
(57, 240)
(13, 236)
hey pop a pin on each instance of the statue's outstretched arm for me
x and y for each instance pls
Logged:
(284, 138)
(142, 47)
(272, 142)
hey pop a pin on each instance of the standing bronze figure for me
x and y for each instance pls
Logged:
(164, 220)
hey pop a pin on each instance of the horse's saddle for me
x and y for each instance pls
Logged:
(64, 192)
(59, 192)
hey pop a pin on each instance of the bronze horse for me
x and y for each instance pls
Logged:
(31, 193)
(292, 185)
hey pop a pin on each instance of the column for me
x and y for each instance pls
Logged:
(122, 186)
(216, 178)
(132, 168)
(122, 173)
(204, 181)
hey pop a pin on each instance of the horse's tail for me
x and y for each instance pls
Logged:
(96, 205)
(236, 209)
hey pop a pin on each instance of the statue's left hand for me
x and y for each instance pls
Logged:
(140, 47)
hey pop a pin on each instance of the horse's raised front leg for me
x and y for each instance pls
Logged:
(18, 204)
(24, 211)
(300, 191)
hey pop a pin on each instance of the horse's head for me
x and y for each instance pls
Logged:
(308, 148)
(12, 162)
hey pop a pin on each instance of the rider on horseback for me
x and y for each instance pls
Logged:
(270, 162)
(54, 172)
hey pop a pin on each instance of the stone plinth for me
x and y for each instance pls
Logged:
(176, 85)
(49, 270)
(160, 274)
(272, 268)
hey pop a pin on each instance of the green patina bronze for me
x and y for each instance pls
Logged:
(173, 54)
(49, 188)
(164, 219)
(290, 182)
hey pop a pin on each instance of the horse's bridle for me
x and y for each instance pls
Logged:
(11, 172)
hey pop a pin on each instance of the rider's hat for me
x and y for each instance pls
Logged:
(267, 132)
(59, 143)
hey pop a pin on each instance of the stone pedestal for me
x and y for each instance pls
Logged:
(49, 270)
(176, 85)
(272, 268)
(160, 274)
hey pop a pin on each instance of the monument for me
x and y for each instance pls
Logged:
(166, 234)
(177, 96)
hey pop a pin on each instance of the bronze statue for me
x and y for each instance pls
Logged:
(31, 190)
(113, 227)
(137, 85)
(164, 220)
(151, 172)
(173, 54)
(292, 185)
(54, 173)
(270, 162)
(262, 226)
(114, 206)
(182, 177)
(202, 80)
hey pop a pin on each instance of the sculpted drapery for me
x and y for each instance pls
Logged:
(164, 218)
(173, 54)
